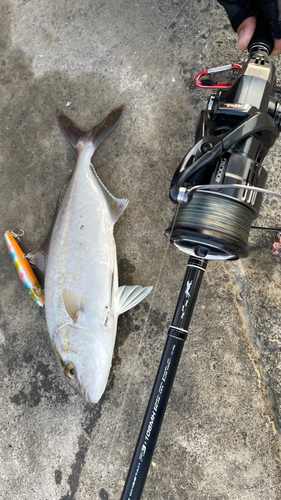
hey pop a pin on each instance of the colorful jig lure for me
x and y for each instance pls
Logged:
(24, 269)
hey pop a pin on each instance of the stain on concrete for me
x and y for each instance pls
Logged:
(126, 269)
(253, 351)
(58, 476)
(73, 480)
(103, 495)
(157, 322)
(91, 416)
(42, 382)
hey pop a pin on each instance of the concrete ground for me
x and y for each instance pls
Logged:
(220, 438)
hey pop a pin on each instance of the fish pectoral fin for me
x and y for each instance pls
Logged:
(73, 304)
(130, 296)
(116, 206)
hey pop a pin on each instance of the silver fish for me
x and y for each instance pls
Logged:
(82, 297)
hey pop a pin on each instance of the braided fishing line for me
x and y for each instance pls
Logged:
(217, 217)
(213, 221)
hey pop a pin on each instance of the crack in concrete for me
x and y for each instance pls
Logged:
(252, 348)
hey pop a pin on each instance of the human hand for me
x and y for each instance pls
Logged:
(245, 32)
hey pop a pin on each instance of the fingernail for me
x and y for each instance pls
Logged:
(240, 40)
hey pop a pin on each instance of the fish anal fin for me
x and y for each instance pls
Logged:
(130, 296)
(73, 304)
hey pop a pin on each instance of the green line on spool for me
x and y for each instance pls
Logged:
(217, 216)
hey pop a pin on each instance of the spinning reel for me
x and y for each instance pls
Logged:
(233, 136)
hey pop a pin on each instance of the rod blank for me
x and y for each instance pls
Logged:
(155, 411)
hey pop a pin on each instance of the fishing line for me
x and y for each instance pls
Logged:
(155, 287)
(137, 349)
(142, 63)
(216, 216)
(274, 229)
(211, 224)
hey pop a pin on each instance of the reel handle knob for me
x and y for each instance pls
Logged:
(262, 39)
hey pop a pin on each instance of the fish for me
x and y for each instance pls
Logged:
(25, 271)
(78, 260)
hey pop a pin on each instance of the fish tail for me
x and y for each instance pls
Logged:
(78, 137)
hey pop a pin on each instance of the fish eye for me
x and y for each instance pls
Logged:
(70, 371)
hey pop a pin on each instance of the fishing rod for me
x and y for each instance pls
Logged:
(218, 190)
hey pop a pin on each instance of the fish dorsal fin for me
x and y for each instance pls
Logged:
(73, 304)
(96, 135)
(130, 296)
(116, 206)
(61, 197)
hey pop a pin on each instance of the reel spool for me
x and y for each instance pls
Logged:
(215, 223)
(233, 135)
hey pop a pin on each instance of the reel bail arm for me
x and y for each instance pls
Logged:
(233, 136)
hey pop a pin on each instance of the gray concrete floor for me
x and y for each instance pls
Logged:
(220, 438)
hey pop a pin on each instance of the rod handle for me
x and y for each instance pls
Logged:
(262, 38)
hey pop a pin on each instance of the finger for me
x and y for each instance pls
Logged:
(276, 48)
(245, 32)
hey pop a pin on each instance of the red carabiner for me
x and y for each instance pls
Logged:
(205, 84)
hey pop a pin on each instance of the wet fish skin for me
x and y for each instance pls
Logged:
(82, 297)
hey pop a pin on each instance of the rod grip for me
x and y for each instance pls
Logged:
(262, 36)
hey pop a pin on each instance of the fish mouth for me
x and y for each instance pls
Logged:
(78, 388)
(83, 387)
(88, 393)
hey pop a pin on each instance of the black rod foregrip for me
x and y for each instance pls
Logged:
(164, 380)
(262, 36)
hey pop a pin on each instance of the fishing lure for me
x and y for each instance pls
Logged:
(24, 269)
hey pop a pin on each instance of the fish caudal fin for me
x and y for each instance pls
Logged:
(130, 296)
(96, 135)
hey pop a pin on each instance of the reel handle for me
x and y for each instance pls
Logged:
(262, 39)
